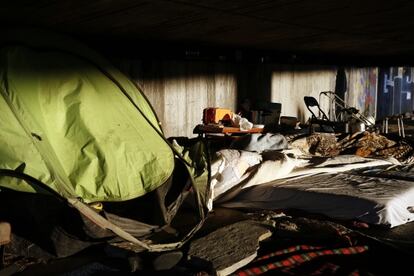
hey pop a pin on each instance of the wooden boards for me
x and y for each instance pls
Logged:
(179, 91)
(206, 129)
(230, 247)
(291, 83)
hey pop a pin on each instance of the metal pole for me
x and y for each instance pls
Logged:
(399, 126)
(402, 127)
(386, 125)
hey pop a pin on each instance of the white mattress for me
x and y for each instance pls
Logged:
(372, 199)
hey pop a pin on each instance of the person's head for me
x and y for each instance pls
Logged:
(245, 104)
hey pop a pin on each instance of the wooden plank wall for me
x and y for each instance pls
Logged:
(291, 83)
(180, 90)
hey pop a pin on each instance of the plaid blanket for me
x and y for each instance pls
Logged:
(286, 259)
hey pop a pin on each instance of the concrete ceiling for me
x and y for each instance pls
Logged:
(348, 28)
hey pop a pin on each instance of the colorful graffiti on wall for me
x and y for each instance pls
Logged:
(395, 91)
(362, 89)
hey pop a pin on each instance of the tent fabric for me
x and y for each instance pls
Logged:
(72, 121)
(197, 162)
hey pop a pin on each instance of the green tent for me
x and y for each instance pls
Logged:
(71, 123)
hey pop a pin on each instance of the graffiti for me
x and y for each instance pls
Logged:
(363, 89)
(395, 94)
(388, 81)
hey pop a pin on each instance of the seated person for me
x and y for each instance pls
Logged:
(244, 109)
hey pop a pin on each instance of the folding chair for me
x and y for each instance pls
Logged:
(324, 123)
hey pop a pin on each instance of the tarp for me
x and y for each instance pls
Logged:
(74, 122)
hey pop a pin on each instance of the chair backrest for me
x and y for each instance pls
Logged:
(311, 102)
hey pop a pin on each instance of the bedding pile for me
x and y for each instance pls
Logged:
(328, 182)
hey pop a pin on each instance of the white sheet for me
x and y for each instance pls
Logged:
(374, 200)
(275, 180)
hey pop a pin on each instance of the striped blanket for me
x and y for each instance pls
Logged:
(287, 260)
